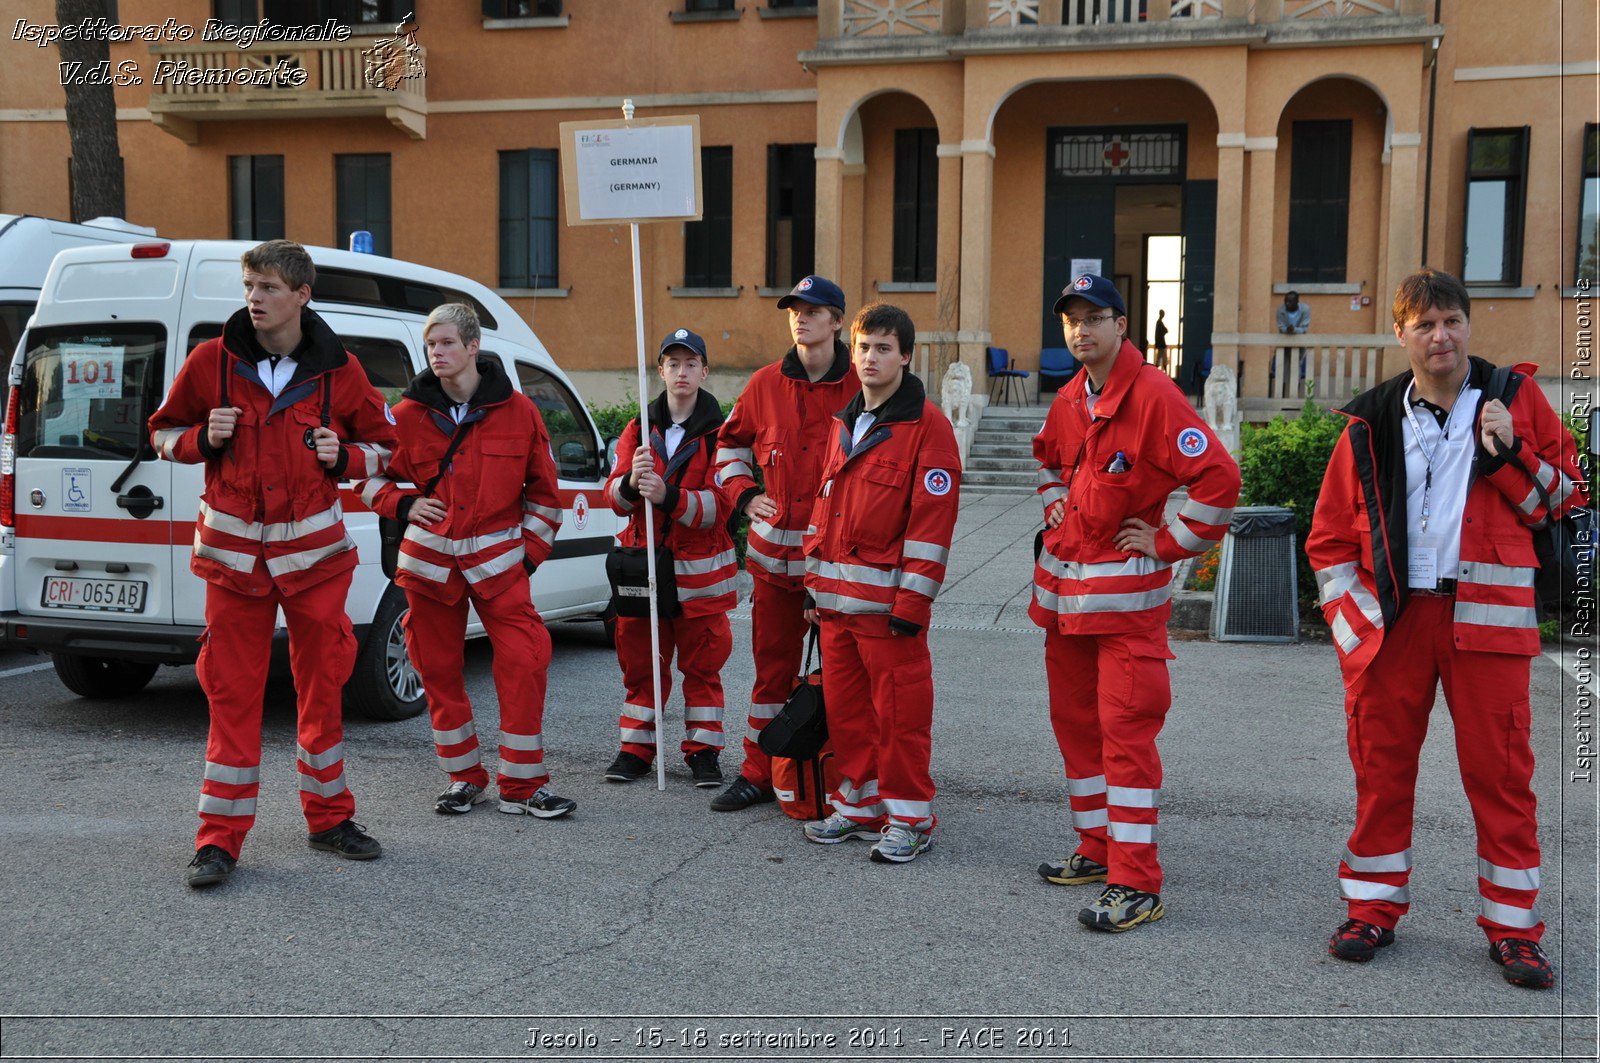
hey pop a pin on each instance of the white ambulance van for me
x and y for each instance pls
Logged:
(99, 530)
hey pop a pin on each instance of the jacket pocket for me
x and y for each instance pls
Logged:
(503, 471)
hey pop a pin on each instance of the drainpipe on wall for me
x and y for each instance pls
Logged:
(1427, 173)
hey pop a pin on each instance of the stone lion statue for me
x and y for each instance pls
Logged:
(956, 392)
(1222, 405)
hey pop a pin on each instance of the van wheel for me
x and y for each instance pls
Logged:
(102, 677)
(384, 685)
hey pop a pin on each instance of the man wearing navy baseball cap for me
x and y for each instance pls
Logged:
(780, 429)
(671, 465)
(1101, 590)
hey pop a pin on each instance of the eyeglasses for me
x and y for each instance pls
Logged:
(1092, 321)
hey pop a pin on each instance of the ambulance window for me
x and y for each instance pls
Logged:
(86, 392)
(388, 364)
(13, 319)
(572, 441)
(209, 330)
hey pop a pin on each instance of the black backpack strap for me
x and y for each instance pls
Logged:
(223, 360)
(327, 398)
(444, 462)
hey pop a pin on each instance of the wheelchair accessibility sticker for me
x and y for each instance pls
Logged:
(75, 490)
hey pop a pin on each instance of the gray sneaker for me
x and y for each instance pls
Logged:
(459, 799)
(544, 804)
(837, 828)
(1120, 908)
(901, 845)
(1075, 870)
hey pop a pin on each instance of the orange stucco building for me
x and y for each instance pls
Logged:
(957, 157)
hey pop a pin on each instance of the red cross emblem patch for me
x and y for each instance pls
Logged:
(937, 482)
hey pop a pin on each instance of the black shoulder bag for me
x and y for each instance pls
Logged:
(626, 568)
(1565, 548)
(800, 729)
(392, 529)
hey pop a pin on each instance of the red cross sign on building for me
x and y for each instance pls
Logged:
(1115, 154)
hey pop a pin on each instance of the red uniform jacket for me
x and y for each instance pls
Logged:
(270, 514)
(503, 508)
(781, 425)
(1358, 535)
(696, 510)
(1143, 442)
(880, 529)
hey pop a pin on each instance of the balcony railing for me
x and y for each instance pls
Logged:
(219, 82)
(933, 18)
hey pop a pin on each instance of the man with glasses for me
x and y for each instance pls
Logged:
(1119, 439)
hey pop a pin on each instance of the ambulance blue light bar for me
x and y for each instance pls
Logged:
(361, 242)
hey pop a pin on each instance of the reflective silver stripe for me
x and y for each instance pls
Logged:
(702, 713)
(1047, 599)
(1051, 495)
(1133, 796)
(919, 812)
(425, 569)
(1556, 484)
(913, 550)
(764, 712)
(1048, 476)
(228, 524)
(1132, 833)
(1509, 915)
(777, 536)
(689, 594)
(326, 759)
(691, 509)
(306, 559)
(1530, 503)
(1343, 635)
(1355, 889)
(237, 561)
(734, 454)
(460, 734)
(422, 537)
(217, 806)
(928, 588)
(615, 491)
(370, 489)
(852, 793)
(1187, 539)
(872, 577)
(643, 738)
(289, 531)
(777, 566)
(1205, 514)
(638, 712)
(166, 439)
(512, 770)
(1511, 616)
(708, 508)
(1368, 605)
(704, 566)
(705, 737)
(841, 603)
(376, 457)
(1115, 603)
(541, 531)
(1387, 863)
(549, 513)
(1094, 817)
(1511, 878)
(333, 786)
(1078, 570)
(867, 811)
(1086, 787)
(732, 469)
(521, 743)
(494, 566)
(1332, 581)
(1486, 574)
(233, 776)
(474, 544)
(462, 761)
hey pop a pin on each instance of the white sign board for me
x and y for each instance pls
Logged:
(1080, 266)
(89, 372)
(645, 170)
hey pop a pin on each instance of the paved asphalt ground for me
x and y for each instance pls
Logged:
(647, 927)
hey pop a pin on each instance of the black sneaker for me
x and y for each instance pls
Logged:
(1120, 908)
(543, 804)
(1524, 962)
(459, 799)
(1358, 941)
(1075, 870)
(741, 793)
(627, 768)
(703, 766)
(211, 864)
(349, 839)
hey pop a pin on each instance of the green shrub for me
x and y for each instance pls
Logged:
(1282, 465)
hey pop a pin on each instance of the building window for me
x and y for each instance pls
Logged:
(255, 190)
(1589, 208)
(1497, 162)
(916, 204)
(521, 8)
(708, 5)
(791, 212)
(791, 3)
(361, 187)
(312, 12)
(528, 184)
(708, 243)
(1319, 202)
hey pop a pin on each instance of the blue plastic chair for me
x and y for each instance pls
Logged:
(1057, 364)
(1002, 367)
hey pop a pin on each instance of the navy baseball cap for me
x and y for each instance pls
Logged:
(685, 339)
(819, 291)
(1096, 290)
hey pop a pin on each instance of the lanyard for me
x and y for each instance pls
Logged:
(1427, 454)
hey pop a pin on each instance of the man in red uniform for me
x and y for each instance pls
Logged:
(1118, 440)
(490, 518)
(875, 558)
(265, 408)
(780, 428)
(1424, 556)
(673, 469)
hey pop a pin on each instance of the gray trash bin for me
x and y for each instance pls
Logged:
(1257, 599)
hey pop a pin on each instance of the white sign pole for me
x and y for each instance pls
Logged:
(649, 510)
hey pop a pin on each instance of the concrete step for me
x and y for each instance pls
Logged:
(1022, 465)
(998, 478)
(1008, 449)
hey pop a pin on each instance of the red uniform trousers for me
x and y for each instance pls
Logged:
(436, 640)
(777, 640)
(1109, 696)
(233, 672)
(703, 645)
(1386, 711)
(879, 691)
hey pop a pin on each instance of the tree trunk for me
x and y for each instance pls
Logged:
(97, 188)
